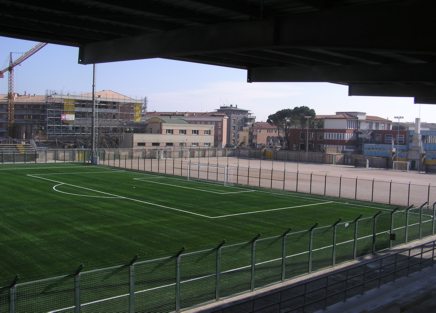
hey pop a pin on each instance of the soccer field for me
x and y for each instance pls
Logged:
(55, 217)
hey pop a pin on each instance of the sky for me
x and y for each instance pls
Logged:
(183, 86)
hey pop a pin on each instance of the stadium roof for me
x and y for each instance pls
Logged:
(376, 47)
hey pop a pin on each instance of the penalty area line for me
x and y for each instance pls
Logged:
(120, 197)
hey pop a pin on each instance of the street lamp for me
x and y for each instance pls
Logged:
(398, 134)
(307, 117)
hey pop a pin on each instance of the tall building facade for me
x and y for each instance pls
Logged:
(238, 120)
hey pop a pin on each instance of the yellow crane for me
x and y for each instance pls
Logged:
(10, 69)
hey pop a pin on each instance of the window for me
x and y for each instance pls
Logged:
(207, 144)
(155, 144)
(207, 132)
(377, 125)
(182, 131)
(388, 138)
(370, 125)
(169, 144)
(270, 130)
(400, 139)
(195, 132)
(170, 131)
(194, 144)
(141, 144)
(182, 144)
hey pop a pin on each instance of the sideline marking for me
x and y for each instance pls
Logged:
(41, 167)
(271, 210)
(193, 188)
(120, 197)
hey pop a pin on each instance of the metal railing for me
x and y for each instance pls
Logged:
(337, 286)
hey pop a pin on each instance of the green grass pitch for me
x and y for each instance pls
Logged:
(55, 217)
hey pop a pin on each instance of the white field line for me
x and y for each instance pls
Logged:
(271, 210)
(79, 173)
(209, 276)
(217, 192)
(41, 167)
(80, 195)
(121, 197)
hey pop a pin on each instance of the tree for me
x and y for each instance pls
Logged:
(291, 118)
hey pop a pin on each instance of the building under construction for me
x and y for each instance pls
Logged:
(65, 120)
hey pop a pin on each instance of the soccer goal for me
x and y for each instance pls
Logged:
(401, 166)
(209, 172)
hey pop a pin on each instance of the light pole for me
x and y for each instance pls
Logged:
(398, 134)
(307, 117)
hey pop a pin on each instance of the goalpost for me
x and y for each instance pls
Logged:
(401, 165)
(208, 172)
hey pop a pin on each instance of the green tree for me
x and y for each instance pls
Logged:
(286, 119)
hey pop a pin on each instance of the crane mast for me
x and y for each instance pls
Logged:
(10, 69)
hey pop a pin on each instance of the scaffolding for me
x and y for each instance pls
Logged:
(69, 117)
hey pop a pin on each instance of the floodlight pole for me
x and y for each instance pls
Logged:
(93, 145)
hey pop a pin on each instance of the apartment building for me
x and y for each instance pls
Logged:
(169, 131)
(238, 119)
(264, 135)
(218, 120)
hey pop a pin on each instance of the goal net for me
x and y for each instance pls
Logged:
(401, 166)
(209, 172)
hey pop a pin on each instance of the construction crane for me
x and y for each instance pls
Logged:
(10, 69)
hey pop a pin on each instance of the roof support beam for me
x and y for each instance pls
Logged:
(390, 90)
(366, 30)
(350, 73)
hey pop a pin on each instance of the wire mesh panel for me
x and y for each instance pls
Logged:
(418, 194)
(348, 187)
(318, 184)
(332, 186)
(381, 192)
(413, 228)
(297, 255)
(400, 194)
(45, 295)
(197, 277)
(364, 190)
(344, 241)
(364, 236)
(382, 230)
(104, 290)
(242, 175)
(268, 261)
(304, 182)
(427, 221)
(266, 178)
(322, 247)
(290, 181)
(398, 227)
(235, 269)
(254, 176)
(4, 299)
(155, 285)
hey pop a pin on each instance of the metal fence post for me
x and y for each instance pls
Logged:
(391, 227)
(355, 221)
(340, 185)
(296, 185)
(434, 218)
(335, 226)
(311, 247)
(253, 261)
(310, 186)
(132, 284)
(374, 230)
(77, 305)
(428, 193)
(13, 295)
(408, 195)
(406, 228)
(218, 270)
(325, 184)
(355, 189)
(285, 234)
(420, 219)
(390, 192)
(178, 277)
(372, 191)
